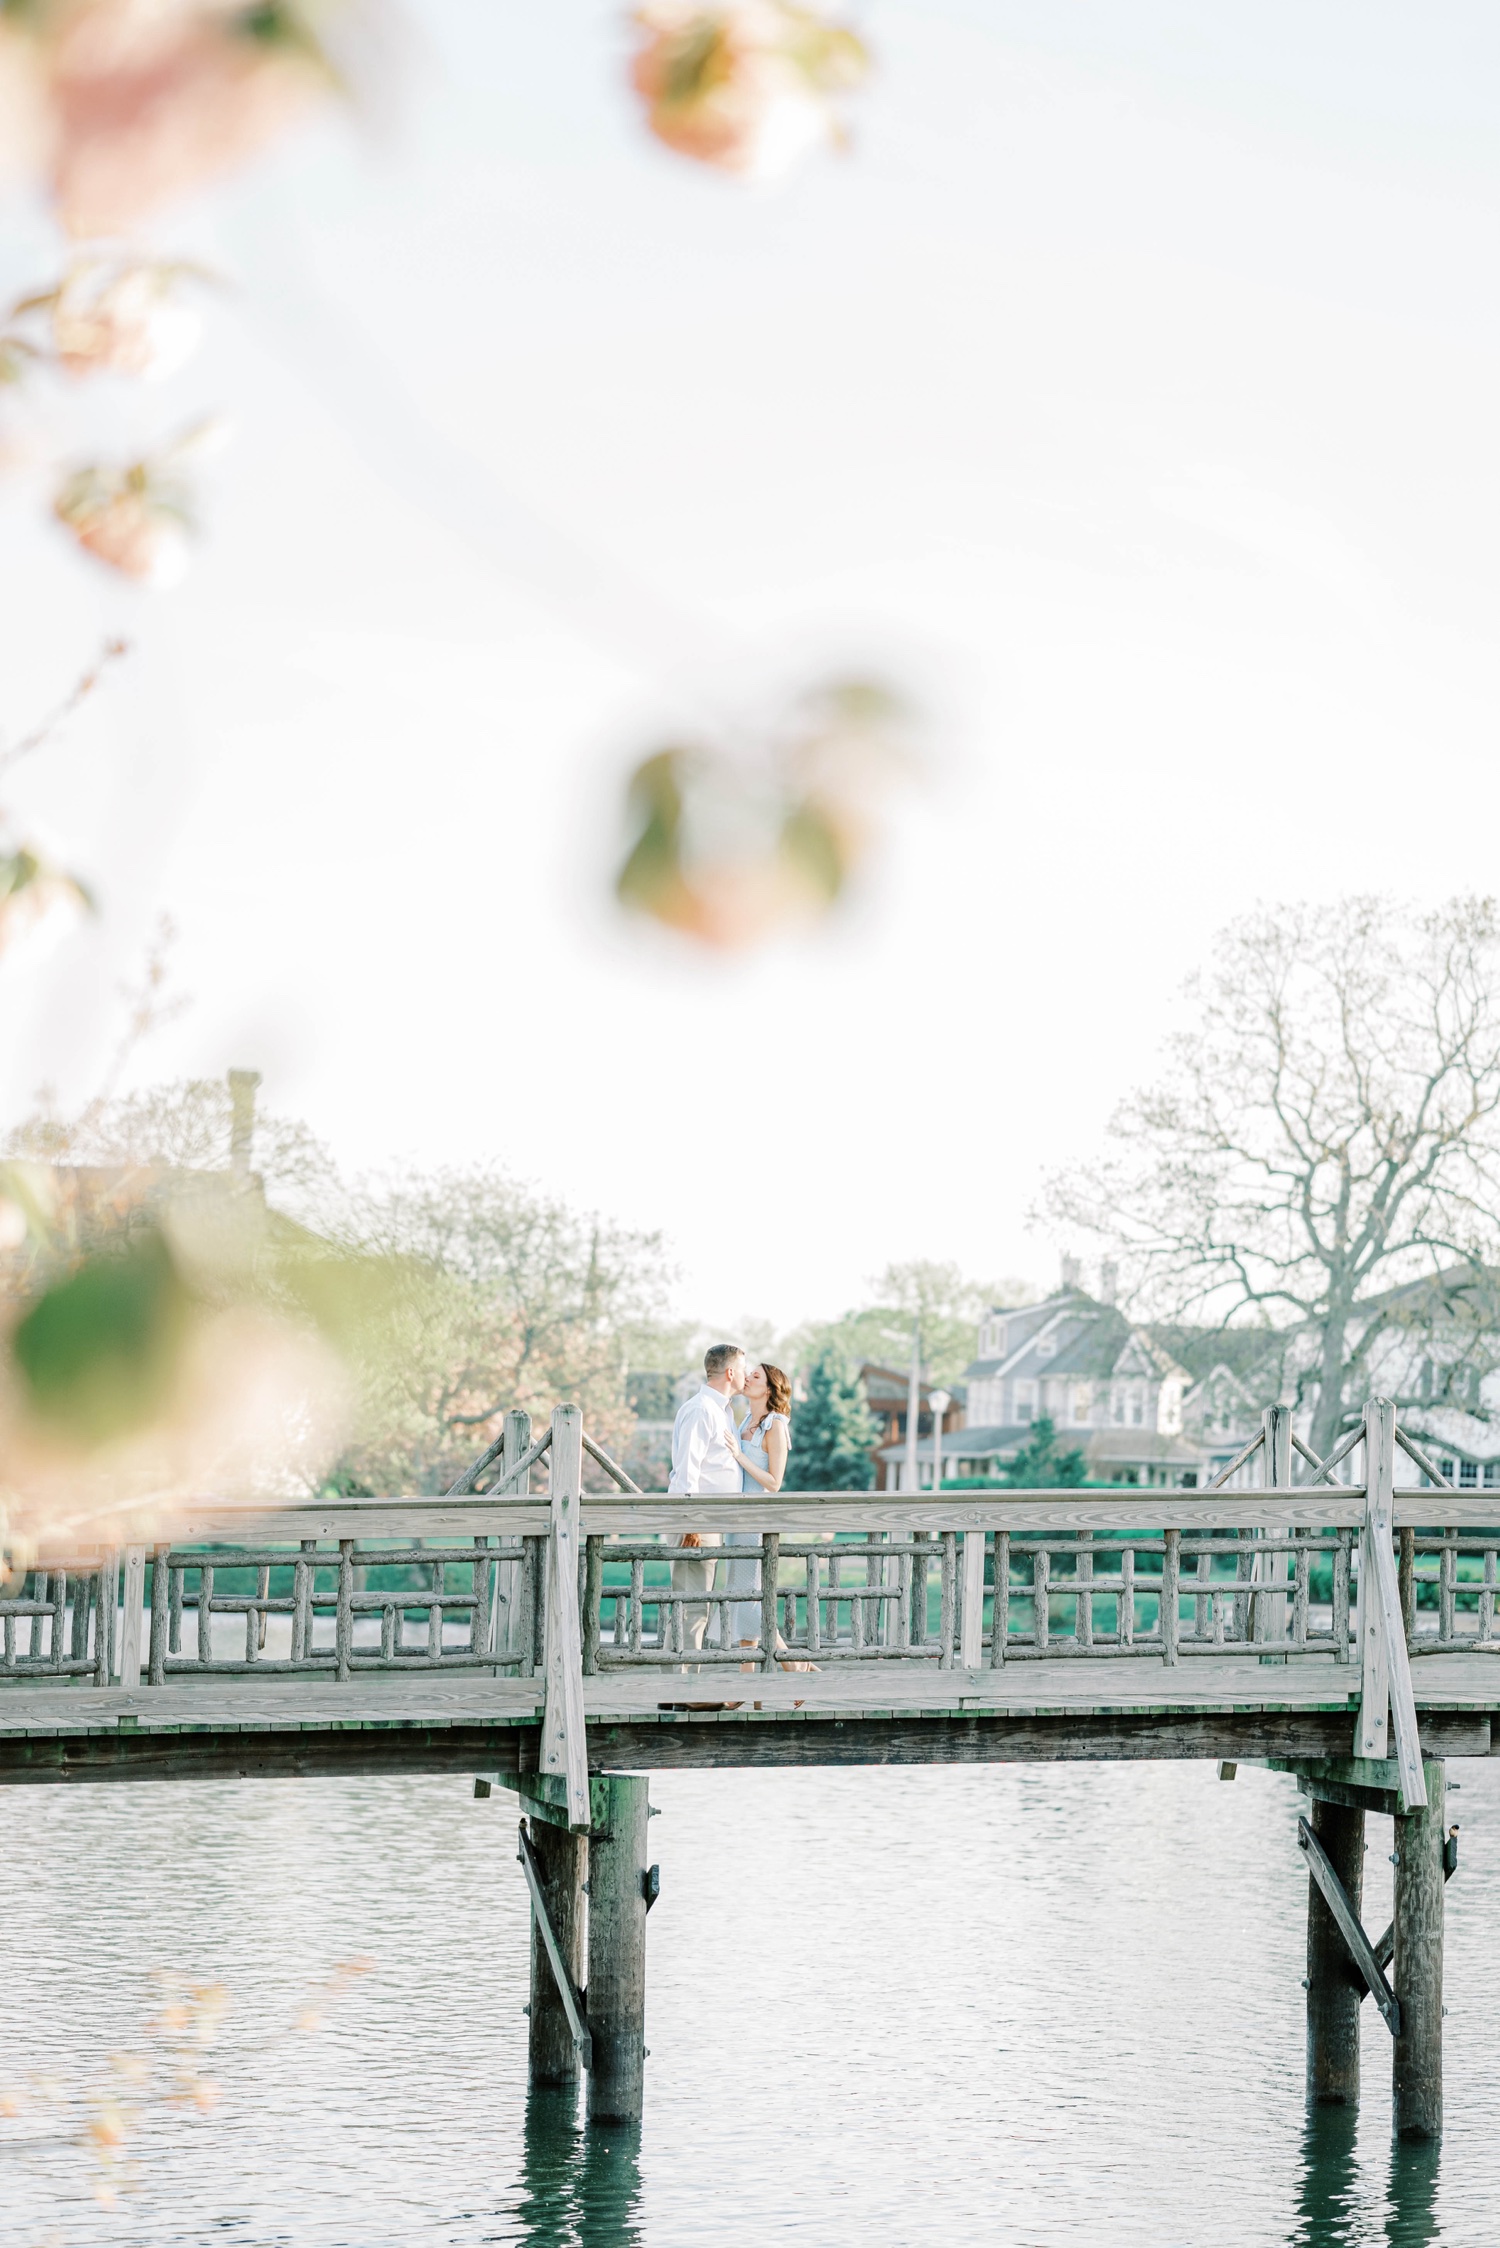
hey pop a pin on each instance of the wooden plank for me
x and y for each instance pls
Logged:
(566, 1989)
(1398, 1669)
(611, 1467)
(1356, 1942)
(970, 1738)
(1270, 1610)
(1371, 1733)
(564, 1748)
(133, 1597)
(1333, 1994)
(1386, 1678)
(812, 1514)
(971, 1648)
(770, 1576)
(205, 1521)
(200, 1522)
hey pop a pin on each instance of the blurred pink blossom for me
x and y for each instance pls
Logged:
(137, 516)
(128, 103)
(750, 86)
(117, 315)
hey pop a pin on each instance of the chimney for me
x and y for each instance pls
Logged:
(1070, 1273)
(242, 1084)
(1109, 1281)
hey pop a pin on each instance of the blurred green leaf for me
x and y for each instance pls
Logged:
(97, 1351)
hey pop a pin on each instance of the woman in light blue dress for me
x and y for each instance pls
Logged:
(761, 1450)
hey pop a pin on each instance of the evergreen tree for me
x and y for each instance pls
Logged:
(1044, 1464)
(833, 1431)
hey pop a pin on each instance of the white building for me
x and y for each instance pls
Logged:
(1109, 1388)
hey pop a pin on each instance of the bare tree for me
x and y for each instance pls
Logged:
(1321, 1155)
(501, 1298)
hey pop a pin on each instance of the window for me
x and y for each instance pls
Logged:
(1468, 1472)
(1046, 1345)
(1445, 1470)
(1137, 1408)
(1083, 1401)
(1117, 1403)
(1025, 1397)
(1492, 1472)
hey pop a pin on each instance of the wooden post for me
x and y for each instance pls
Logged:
(561, 1857)
(1417, 1965)
(970, 1653)
(1372, 1732)
(1270, 1609)
(515, 1634)
(563, 1753)
(1334, 1988)
(130, 1623)
(617, 1953)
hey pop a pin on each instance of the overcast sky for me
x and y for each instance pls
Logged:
(1129, 391)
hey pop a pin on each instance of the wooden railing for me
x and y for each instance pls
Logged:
(571, 1584)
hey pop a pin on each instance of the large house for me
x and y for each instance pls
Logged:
(1174, 1405)
(1109, 1387)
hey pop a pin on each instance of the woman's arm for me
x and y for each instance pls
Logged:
(776, 1450)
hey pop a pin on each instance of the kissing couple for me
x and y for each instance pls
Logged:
(720, 1450)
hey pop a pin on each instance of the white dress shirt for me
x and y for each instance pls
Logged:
(701, 1458)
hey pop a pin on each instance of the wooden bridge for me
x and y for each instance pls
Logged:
(551, 1643)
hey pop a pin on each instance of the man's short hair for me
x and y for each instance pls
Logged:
(720, 1355)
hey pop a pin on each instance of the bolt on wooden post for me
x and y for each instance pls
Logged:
(1334, 1988)
(1417, 1965)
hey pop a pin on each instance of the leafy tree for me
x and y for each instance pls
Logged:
(1042, 1464)
(507, 1300)
(476, 1294)
(1321, 1156)
(833, 1431)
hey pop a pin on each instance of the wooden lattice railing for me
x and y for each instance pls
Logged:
(972, 1580)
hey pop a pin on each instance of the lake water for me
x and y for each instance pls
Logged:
(1025, 2007)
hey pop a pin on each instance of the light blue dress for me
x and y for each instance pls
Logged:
(744, 1576)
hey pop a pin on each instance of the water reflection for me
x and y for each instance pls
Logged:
(1329, 2214)
(579, 2189)
(1335, 2190)
(1412, 2215)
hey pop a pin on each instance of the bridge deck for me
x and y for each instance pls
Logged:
(1065, 1708)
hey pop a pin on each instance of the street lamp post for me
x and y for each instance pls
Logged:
(939, 1401)
(914, 1408)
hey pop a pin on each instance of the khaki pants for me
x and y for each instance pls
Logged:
(695, 1575)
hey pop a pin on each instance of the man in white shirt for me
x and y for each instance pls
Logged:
(702, 1461)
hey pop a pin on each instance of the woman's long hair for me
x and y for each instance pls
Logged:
(778, 1388)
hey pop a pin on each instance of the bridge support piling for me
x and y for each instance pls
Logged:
(1334, 1989)
(1417, 1965)
(561, 1857)
(618, 1898)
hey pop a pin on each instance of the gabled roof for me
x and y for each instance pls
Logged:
(1243, 1351)
(1089, 1341)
